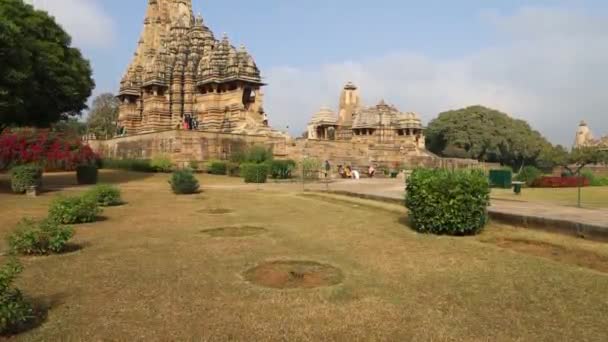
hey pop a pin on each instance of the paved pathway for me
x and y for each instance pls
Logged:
(578, 219)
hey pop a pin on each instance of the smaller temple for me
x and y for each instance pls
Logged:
(380, 124)
(584, 138)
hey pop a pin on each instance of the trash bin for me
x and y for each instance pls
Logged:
(517, 187)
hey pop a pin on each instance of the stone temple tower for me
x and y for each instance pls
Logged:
(349, 104)
(181, 75)
(583, 136)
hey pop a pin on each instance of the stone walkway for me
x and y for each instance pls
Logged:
(588, 223)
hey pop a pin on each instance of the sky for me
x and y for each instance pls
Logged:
(542, 61)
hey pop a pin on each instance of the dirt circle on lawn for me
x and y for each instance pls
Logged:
(294, 274)
(216, 211)
(235, 231)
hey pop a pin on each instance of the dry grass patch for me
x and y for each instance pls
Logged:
(238, 231)
(294, 274)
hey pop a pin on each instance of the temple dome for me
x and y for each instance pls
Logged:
(325, 116)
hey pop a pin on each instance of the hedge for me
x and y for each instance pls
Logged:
(24, 176)
(281, 169)
(217, 168)
(448, 202)
(255, 173)
(138, 165)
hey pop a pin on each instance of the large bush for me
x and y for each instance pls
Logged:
(254, 173)
(72, 210)
(52, 150)
(137, 165)
(15, 311)
(281, 169)
(24, 176)
(105, 195)
(529, 174)
(161, 163)
(594, 180)
(87, 174)
(448, 202)
(184, 182)
(39, 238)
(217, 168)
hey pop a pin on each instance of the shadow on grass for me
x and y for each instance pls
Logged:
(64, 180)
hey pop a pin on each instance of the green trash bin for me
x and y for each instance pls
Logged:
(500, 179)
(517, 187)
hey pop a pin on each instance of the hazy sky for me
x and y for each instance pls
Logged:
(544, 61)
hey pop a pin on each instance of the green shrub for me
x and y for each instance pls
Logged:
(448, 202)
(72, 210)
(86, 174)
(137, 165)
(258, 154)
(15, 311)
(39, 238)
(161, 163)
(310, 168)
(194, 165)
(594, 180)
(233, 169)
(24, 176)
(254, 173)
(184, 182)
(528, 174)
(217, 168)
(281, 169)
(105, 195)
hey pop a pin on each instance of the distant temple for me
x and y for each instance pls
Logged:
(380, 124)
(181, 77)
(584, 138)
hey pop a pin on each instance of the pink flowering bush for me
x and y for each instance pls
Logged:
(51, 150)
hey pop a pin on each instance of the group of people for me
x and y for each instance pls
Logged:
(190, 123)
(349, 172)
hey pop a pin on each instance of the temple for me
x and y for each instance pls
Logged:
(584, 138)
(182, 77)
(382, 123)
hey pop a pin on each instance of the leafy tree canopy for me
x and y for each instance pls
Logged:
(485, 134)
(42, 78)
(103, 116)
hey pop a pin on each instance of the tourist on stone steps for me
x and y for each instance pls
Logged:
(327, 168)
(341, 171)
(371, 171)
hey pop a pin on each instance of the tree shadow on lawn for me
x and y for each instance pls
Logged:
(58, 181)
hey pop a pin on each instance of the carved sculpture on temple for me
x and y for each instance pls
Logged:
(182, 77)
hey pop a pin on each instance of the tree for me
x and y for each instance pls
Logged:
(42, 78)
(485, 134)
(71, 128)
(103, 116)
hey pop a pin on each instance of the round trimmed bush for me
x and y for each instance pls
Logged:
(161, 163)
(255, 173)
(24, 176)
(105, 195)
(448, 202)
(183, 182)
(15, 311)
(39, 238)
(73, 210)
(86, 174)
(217, 168)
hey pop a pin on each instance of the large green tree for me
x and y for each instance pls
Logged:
(103, 116)
(43, 79)
(485, 134)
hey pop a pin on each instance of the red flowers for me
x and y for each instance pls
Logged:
(52, 150)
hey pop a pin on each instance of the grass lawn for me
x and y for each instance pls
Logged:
(169, 268)
(592, 197)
